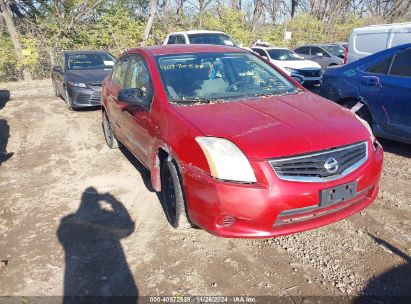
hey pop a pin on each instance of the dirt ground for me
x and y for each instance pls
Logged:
(79, 218)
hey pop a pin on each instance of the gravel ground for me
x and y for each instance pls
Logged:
(54, 162)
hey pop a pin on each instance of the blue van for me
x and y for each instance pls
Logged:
(379, 86)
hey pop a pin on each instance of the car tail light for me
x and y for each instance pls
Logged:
(226, 220)
(346, 55)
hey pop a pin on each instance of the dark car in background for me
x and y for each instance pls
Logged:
(341, 44)
(324, 54)
(78, 77)
(379, 86)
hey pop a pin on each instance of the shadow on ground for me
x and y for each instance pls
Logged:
(4, 98)
(396, 147)
(144, 172)
(96, 267)
(145, 175)
(394, 285)
(4, 129)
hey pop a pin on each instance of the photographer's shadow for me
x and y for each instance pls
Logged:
(95, 261)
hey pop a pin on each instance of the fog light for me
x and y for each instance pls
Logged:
(226, 220)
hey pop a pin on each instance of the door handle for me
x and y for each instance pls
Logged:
(371, 81)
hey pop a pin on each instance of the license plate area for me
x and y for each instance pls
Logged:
(338, 194)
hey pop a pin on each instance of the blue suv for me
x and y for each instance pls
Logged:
(380, 87)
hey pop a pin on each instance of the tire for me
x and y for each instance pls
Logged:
(173, 196)
(363, 113)
(67, 99)
(111, 140)
(56, 91)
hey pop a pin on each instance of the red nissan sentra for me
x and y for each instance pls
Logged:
(235, 146)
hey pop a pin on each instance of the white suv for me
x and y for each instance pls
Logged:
(306, 72)
(200, 37)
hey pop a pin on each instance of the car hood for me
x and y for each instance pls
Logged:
(87, 76)
(278, 126)
(297, 64)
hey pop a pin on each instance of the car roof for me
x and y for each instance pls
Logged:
(85, 51)
(320, 44)
(383, 25)
(377, 55)
(197, 32)
(270, 48)
(186, 49)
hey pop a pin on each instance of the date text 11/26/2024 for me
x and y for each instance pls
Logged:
(203, 299)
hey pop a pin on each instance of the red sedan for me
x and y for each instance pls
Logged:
(235, 146)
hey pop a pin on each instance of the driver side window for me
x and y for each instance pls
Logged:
(138, 77)
(62, 62)
(316, 50)
(260, 52)
(120, 70)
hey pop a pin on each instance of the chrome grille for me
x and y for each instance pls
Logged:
(95, 97)
(317, 167)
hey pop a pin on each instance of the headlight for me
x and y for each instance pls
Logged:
(77, 84)
(291, 70)
(226, 160)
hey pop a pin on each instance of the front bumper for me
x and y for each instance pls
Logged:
(84, 97)
(273, 207)
(306, 80)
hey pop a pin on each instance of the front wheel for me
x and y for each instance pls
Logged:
(173, 196)
(55, 89)
(111, 140)
(364, 112)
(67, 99)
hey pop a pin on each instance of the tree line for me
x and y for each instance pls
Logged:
(32, 33)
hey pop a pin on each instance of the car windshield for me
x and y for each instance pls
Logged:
(214, 77)
(90, 61)
(335, 50)
(212, 38)
(282, 54)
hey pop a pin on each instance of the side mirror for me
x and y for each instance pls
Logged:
(319, 54)
(265, 57)
(132, 97)
(57, 69)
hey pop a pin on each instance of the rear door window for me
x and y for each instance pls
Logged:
(371, 42)
(401, 66)
(401, 38)
(303, 50)
(381, 67)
